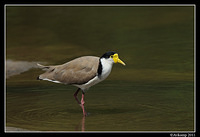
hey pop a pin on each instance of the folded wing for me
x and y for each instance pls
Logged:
(77, 71)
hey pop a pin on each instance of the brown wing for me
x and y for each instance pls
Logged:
(77, 71)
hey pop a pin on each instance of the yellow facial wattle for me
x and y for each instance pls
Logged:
(116, 59)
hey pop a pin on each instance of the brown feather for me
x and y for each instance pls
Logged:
(77, 71)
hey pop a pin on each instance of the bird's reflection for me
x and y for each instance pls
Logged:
(81, 124)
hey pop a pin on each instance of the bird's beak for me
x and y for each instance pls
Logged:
(121, 62)
(117, 60)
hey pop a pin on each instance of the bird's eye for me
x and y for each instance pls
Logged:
(111, 56)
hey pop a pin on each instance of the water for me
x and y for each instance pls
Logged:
(153, 92)
(122, 106)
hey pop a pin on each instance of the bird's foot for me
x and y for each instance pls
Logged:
(84, 112)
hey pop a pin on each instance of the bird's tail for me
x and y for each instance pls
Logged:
(43, 67)
(48, 69)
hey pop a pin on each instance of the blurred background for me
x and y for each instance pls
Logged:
(153, 92)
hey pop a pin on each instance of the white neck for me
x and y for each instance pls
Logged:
(106, 67)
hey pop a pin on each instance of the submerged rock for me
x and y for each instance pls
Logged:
(17, 67)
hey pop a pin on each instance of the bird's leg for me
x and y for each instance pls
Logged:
(75, 96)
(82, 101)
(82, 105)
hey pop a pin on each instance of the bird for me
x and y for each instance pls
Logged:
(82, 72)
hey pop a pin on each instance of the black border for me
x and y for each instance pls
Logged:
(160, 134)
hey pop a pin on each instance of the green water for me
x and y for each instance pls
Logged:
(153, 92)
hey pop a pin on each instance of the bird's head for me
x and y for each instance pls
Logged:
(112, 57)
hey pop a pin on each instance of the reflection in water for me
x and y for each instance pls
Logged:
(81, 124)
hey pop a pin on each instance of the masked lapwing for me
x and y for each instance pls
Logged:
(82, 72)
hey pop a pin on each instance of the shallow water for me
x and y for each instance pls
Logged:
(112, 106)
(153, 92)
